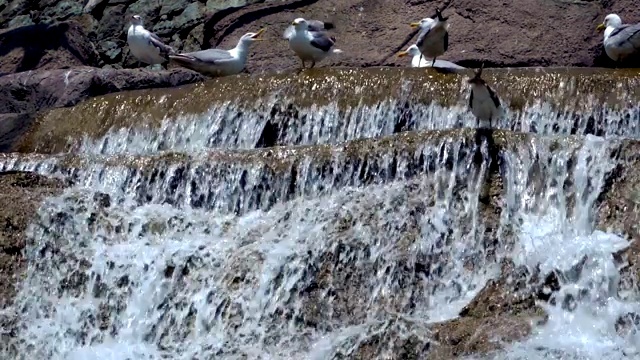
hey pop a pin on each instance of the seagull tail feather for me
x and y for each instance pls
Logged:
(183, 60)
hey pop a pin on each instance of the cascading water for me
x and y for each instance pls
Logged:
(183, 242)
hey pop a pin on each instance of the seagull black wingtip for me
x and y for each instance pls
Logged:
(440, 17)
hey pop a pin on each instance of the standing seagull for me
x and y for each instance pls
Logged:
(620, 40)
(218, 62)
(145, 45)
(483, 101)
(314, 25)
(310, 43)
(433, 40)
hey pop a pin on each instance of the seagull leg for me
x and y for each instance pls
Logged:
(313, 63)
(434, 62)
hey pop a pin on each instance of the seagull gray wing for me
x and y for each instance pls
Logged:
(160, 45)
(317, 25)
(627, 33)
(210, 56)
(322, 41)
(422, 36)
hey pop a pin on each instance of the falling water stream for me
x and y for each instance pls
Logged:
(195, 239)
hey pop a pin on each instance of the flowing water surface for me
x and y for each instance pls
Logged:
(191, 240)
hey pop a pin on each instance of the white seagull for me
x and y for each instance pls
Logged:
(219, 62)
(620, 40)
(417, 59)
(433, 40)
(483, 100)
(146, 46)
(313, 25)
(310, 43)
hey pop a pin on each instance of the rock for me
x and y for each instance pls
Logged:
(515, 292)
(12, 9)
(618, 212)
(194, 39)
(515, 34)
(12, 126)
(113, 25)
(21, 194)
(172, 7)
(519, 33)
(20, 20)
(62, 10)
(111, 51)
(34, 91)
(216, 5)
(58, 46)
(148, 9)
(188, 19)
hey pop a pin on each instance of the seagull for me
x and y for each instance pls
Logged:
(310, 43)
(219, 62)
(620, 40)
(417, 59)
(314, 25)
(433, 40)
(146, 46)
(483, 101)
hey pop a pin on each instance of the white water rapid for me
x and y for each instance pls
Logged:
(184, 241)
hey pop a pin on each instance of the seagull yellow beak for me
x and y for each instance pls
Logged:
(294, 23)
(600, 27)
(256, 35)
(402, 54)
(414, 25)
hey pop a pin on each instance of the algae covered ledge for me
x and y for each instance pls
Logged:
(282, 94)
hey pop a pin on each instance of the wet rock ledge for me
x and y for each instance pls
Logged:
(21, 194)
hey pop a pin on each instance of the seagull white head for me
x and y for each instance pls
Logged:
(611, 20)
(251, 37)
(423, 24)
(136, 20)
(411, 50)
(300, 24)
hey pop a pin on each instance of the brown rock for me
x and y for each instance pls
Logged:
(12, 126)
(23, 94)
(58, 46)
(21, 194)
(618, 211)
(517, 33)
(34, 91)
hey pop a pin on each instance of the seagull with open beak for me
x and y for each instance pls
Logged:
(219, 62)
(417, 60)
